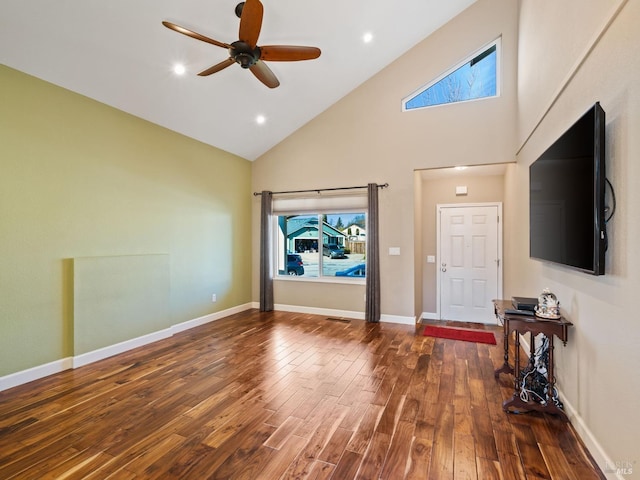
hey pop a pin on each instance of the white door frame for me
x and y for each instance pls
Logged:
(439, 207)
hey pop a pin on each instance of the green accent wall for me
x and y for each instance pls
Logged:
(117, 298)
(80, 179)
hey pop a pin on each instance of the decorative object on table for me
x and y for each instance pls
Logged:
(548, 305)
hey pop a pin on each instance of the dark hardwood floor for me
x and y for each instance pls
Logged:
(284, 395)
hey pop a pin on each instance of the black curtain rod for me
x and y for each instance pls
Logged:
(318, 190)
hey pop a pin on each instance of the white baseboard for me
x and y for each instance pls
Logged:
(111, 350)
(196, 322)
(398, 319)
(330, 312)
(35, 373)
(606, 464)
(57, 366)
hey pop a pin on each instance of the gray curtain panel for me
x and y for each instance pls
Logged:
(266, 272)
(372, 309)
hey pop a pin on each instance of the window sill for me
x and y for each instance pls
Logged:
(336, 280)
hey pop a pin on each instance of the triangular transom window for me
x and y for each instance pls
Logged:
(475, 77)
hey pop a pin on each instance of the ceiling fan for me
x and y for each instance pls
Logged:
(245, 51)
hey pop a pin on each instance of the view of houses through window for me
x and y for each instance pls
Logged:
(322, 245)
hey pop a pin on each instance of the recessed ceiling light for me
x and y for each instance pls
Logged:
(461, 167)
(367, 37)
(179, 69)
(260, 119)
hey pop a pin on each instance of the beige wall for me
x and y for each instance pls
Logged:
(442, 190)
(80, 179)
(365, 137)
(598, 369)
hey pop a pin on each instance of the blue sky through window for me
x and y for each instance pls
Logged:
(477, 78)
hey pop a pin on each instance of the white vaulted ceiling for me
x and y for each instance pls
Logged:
(118, 52)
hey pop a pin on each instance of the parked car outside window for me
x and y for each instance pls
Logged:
(355, 271)
(294, 264)
(333, 251)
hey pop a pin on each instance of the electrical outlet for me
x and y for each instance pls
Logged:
(214, 297)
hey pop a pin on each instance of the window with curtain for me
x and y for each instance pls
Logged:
(321, 236)
(328, 245)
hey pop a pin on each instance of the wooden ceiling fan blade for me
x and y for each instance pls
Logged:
(288, 53)
(264, 74)
(217, 67)
(197, 36)
(251, 22)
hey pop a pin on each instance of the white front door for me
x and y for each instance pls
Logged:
(469, 262)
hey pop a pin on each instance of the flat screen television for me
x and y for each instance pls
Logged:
(566, 197)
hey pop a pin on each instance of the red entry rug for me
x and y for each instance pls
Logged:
(477, 336)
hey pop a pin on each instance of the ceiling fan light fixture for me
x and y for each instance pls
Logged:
(243, 54)
(239, 8)
(245, 60)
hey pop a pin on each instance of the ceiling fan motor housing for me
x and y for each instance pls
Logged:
(243, 54)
